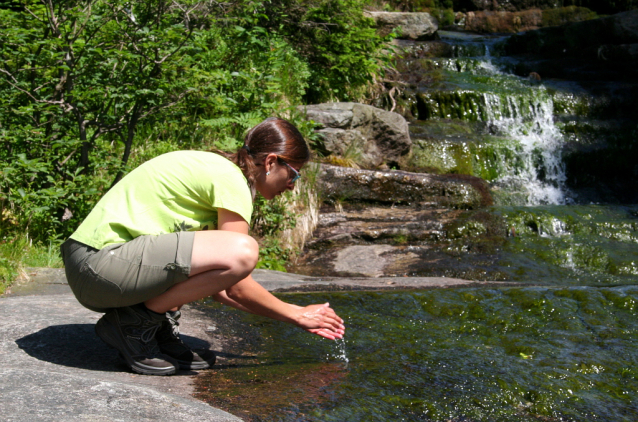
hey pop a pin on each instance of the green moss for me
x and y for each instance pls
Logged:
(570, 104)
(460, 151)
(563, 15)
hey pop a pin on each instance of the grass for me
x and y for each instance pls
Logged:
(19, 253)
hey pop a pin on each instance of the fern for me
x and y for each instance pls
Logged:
(243, 121)
(219, 122)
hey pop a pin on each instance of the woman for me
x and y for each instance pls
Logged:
(149, 247)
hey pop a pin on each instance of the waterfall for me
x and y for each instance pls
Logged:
(539, 171)
(518, 111)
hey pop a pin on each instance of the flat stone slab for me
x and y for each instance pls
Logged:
(46, 281)
(47, 396)
(54, 367)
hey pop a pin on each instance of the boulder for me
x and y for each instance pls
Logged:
(369, 135)
(393, 186)
(502, 21)
(413, 26)
(578, 39)
(503, 5)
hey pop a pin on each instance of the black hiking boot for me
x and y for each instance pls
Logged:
(170, 344)
(131, 330)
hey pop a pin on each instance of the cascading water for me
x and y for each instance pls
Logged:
(541, 171)
(519, 111)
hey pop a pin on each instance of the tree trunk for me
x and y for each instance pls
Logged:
(128, 143)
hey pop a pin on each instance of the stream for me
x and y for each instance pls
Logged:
(562, 347)
(514, 354)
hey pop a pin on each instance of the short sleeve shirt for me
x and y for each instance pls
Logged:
(177, 191)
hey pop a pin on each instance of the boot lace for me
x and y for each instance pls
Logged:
(146, 336)
(174, 328)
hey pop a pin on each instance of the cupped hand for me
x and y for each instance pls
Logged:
(321, 320)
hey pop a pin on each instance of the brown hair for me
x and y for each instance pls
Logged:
(272, 136)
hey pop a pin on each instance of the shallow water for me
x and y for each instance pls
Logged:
(571, 245)
(562, 351)
(512, 354)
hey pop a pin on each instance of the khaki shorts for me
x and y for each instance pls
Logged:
(128, 273)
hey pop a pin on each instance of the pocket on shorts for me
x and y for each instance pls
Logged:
(99, 292)
(107, 276)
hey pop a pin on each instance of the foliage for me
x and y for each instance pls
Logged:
(271, 218)
(340, 45)
(90, 89)
(74, 73)
(20, 252)
(444, 16)
(272, 256)
(344, 56)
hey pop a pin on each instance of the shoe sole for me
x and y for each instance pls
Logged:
(109, 335)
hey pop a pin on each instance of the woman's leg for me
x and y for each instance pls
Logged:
(219, 260)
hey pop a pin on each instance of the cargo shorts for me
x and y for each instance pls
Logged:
(125, 274)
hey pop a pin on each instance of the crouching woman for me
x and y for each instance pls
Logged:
(175, 230)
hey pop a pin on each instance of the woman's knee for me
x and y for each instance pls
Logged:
(231, 251)
(247, 254)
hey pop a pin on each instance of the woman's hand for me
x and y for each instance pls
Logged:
(321, 320)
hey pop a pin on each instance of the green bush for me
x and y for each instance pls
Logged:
(270, 219)
(339, 44)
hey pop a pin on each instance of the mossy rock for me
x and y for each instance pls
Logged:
(459, 147)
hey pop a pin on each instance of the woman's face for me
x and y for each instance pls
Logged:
(275, 177)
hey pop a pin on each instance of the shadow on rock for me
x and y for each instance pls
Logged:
(77, 346)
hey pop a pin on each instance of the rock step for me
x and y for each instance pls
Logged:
(380, 225)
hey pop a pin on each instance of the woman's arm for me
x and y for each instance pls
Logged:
(250, 296)
(223, 298)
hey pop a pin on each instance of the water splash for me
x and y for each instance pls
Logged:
(339, 351)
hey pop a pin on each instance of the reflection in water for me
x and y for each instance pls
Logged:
(270, 390)
(511, 354)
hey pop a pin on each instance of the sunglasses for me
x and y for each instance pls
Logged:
(296, 173)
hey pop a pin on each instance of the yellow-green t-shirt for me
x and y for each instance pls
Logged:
(177, 191)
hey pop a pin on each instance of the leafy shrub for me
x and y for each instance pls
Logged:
(339, 44)
(271, 218)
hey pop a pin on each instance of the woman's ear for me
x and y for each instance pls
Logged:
(269, 161)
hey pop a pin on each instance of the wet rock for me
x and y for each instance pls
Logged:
(374, 241)
(503, 21)
(391, 186)
(423, 49)
(412, 26)
(365, 260)
(380, 224)
(595, 49)
(372, 135)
